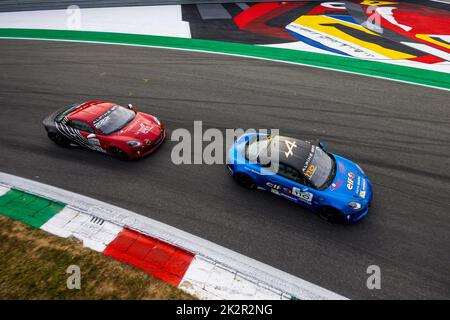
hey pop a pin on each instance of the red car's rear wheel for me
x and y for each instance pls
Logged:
(59, 140)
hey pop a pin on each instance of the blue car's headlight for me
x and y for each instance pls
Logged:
(355, 205)
(134, 143)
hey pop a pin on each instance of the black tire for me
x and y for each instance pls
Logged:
(245, 181)
(118, 154)
(331, 215)
(59, 140)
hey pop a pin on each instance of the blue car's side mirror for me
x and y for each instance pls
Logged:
(322, 146)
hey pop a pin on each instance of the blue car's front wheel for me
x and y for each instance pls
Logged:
(244, 180)
(331, 214)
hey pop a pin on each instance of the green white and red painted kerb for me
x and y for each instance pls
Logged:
(195, 265)
(158, 258)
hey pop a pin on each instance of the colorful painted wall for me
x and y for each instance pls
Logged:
(415, 34)
(363, 29)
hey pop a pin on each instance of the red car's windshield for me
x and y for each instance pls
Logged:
(113, 120)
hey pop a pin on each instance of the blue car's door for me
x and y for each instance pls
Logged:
(290, 184)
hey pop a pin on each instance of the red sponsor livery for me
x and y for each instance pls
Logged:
(107, 127)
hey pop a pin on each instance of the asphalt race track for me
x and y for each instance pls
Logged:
(399, 133)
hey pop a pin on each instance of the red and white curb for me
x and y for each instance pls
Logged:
(197, 266)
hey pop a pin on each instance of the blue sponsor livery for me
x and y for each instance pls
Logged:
(302, 172)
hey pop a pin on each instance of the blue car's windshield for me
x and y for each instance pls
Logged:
(257, 146)
(320, 170)
(114, 119)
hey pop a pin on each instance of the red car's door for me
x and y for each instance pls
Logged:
(89, 138)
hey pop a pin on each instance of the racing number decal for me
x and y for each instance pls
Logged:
(290, 145)
(304, 196)
(310, 171)
(278, 189)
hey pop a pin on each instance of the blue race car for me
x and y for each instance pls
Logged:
(303, 172)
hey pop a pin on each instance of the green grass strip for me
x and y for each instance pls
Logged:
(28, 208)
(370, 68)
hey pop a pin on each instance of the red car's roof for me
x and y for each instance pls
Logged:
(89, 111)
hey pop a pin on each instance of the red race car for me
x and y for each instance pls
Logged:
(107, 127)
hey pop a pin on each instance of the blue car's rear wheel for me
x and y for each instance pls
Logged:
(244, 180)
(331, 214)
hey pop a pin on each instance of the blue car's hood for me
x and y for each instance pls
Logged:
(350, 181)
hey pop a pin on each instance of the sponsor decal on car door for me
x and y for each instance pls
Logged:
(291, 190)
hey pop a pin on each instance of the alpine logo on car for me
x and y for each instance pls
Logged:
(290, 145)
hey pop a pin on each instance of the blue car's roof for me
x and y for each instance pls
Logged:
(293, 152)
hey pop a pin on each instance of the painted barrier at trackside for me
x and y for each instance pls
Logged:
(408, 34)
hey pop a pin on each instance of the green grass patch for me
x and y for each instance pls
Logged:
(33, 265)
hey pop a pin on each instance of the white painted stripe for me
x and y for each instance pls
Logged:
(335, 43)
(443, 37)
(248, 268)
(244, 56)
(300, 46)
(439, 67)
(3, 190)
(154, 20)
(93, 232)
(428, 49)
(206, 279)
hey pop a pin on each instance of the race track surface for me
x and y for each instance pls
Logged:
(399, 133)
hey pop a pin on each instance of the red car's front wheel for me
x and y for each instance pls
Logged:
(119, 154)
